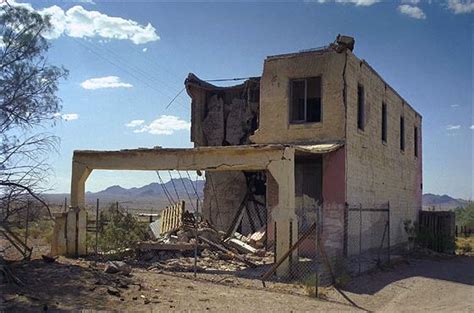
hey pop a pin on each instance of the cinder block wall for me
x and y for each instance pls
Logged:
(274, 124)
(378, 172)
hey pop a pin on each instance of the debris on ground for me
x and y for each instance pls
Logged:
(113, 267)
(195, 245)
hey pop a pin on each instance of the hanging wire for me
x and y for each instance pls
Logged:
(174, 186)
(194, 187)
(186, 189)
(218, 215)
(165, 190)
(172, 100)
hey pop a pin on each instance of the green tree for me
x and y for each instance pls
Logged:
(465, 216)
(28, 104)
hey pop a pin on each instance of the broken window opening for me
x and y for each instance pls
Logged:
(402, 133)
(305, 104)
(360, 107)
(415, 142)
(384, 122)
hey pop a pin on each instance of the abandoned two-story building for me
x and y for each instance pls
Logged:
(318, 132)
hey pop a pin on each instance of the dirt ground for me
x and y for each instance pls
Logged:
(417, 284)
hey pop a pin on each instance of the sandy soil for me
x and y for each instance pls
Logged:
(416, 285)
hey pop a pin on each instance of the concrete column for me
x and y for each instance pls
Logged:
(283, 214)
(80, 173)
(69, 235)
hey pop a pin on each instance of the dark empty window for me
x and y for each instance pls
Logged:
(360, 107)
(305, 100)
(415, 142)
(384, 122)
(402, 133)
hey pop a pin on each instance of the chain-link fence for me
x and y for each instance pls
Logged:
(368, 237)
(330, 249)
(324, 250)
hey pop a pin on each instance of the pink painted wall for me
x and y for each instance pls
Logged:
(334, 177)
(334, 198)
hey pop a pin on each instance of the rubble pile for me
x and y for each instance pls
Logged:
(201, 248)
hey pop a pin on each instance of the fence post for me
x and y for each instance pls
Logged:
(27, 224)
(388, 235)
(346, 226)
(290, 257)
(65, 204)
(97, 228)
(274, 242)
(360, 233)
(196, 237)
(318, 234)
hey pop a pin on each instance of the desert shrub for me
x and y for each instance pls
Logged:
(465, 216)
(41, 229)
(464, 245)
(123, 231)
(309, 284)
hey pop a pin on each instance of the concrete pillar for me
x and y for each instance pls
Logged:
(283, 214)
(69, 236)
(58, 241)
(77, 215)
(80, 173)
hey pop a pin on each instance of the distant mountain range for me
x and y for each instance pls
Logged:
(442, 202)
(151, 196)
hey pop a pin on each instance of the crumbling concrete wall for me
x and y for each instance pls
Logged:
(223, 116)
(379, 172)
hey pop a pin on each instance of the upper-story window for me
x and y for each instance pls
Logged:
(360, 107)
(384, 122)
(415, 141)
(402, 133)
(305, 106)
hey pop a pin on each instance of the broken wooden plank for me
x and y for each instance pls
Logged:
(305, 235)
(238, 217)
(181, 246)
(221, 248)
(240, 246)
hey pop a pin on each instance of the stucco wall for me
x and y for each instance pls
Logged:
(274, 126)
(378, 172)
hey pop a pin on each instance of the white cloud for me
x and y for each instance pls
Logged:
(472, 127)
(412, 11)
(84, 1)
(104, 82)
(411, 1)
(145, 49)
(81, 23)
(134, 123)
(67, 116)
(355, 2)
(454, 105)
(453, 127)
(164, 125)
(461, 6)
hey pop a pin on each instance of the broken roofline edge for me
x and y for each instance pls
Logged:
(306, 147)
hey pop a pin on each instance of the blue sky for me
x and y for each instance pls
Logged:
(129, 68)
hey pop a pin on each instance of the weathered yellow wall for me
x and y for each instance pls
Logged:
(377, 172)
(275, 92)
